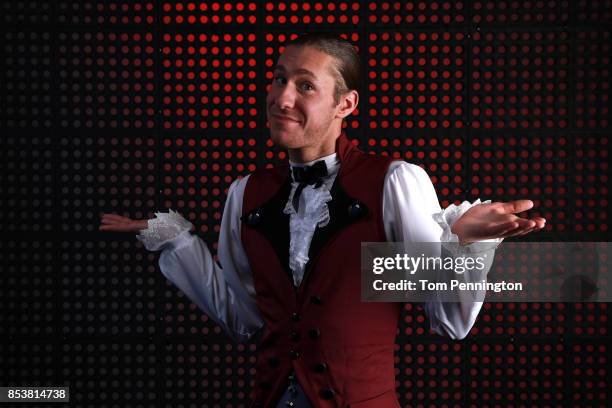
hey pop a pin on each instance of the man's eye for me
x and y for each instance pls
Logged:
(276, 78)
(307, 87)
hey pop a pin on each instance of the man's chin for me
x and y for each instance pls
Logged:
(284, 140)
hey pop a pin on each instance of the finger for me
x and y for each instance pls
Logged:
(517, 233)
(520, 231)
(540, 222)
(502, 228)
(516, 206)
(111, 222)
(513, 231)
(512, 227)
(525, 222)
(509, 234)
(114, 217)
(527, 231)
(113, 228)
(503, 231)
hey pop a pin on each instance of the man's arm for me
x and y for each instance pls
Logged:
(224, 292)
(409, 206)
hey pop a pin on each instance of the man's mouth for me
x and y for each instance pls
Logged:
(282, 118)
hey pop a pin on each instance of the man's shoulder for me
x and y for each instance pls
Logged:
(369, 163)
(267, 178)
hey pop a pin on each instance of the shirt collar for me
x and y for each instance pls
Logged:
(331, 161)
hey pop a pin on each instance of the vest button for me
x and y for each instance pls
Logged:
(320, 367)
(314, 333)
(273, 362)
(355, 210)
(294, 354)
(328, 393)
(296, 317)
(254, 218)
(295, 337)
(316, 300)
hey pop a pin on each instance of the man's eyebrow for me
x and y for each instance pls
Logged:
(299, 71)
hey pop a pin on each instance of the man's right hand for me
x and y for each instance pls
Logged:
(117, 223)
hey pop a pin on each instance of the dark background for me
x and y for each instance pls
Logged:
(133, 107)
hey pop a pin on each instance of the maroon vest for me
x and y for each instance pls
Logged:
(340, 347)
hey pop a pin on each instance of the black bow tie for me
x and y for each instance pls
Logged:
(308, 175)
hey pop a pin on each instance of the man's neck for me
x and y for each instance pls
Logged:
(329, 160)
(307, 155)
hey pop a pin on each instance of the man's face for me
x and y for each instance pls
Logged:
(300, 104)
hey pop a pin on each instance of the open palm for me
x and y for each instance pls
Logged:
(496, 220)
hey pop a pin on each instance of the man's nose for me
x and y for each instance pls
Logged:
(286, 97)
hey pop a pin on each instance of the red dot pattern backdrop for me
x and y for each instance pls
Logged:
(134, 107)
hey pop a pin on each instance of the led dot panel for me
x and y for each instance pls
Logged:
(111, 372)
(107, 289)
(430, 371)
(202, 88)
(593, 78)
(413, 322)
(104, 174)
(409, 13)
(520, 372)
(519, 79)
(591, 181)
(190, 13)
(107, 80)
(590, 319)
(197, 175)
(579, 265)
(140, 106)
(108, 13)
(30, 362)
(415, 80)
(593, 11)
(588, 374)
(25, 80)
(27, 179)
(522, 319)
(443, 157)
(215, 373)
(273, 47)
(520, 12)
(312, 13)
(510, 166)
(26, 12)
(28, 290)
(183, 318)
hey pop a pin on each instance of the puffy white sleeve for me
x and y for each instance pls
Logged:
(412, 213)
(224, 292)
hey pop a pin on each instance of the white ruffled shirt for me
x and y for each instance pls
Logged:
(312, 212)
(225, 290)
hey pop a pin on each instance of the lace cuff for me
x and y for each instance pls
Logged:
(163, 229)
(447, 217)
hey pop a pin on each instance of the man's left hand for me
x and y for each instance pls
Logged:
(495, 220)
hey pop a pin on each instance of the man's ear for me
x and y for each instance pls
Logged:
(348, 103)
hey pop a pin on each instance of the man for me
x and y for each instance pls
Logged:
(290, 240)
